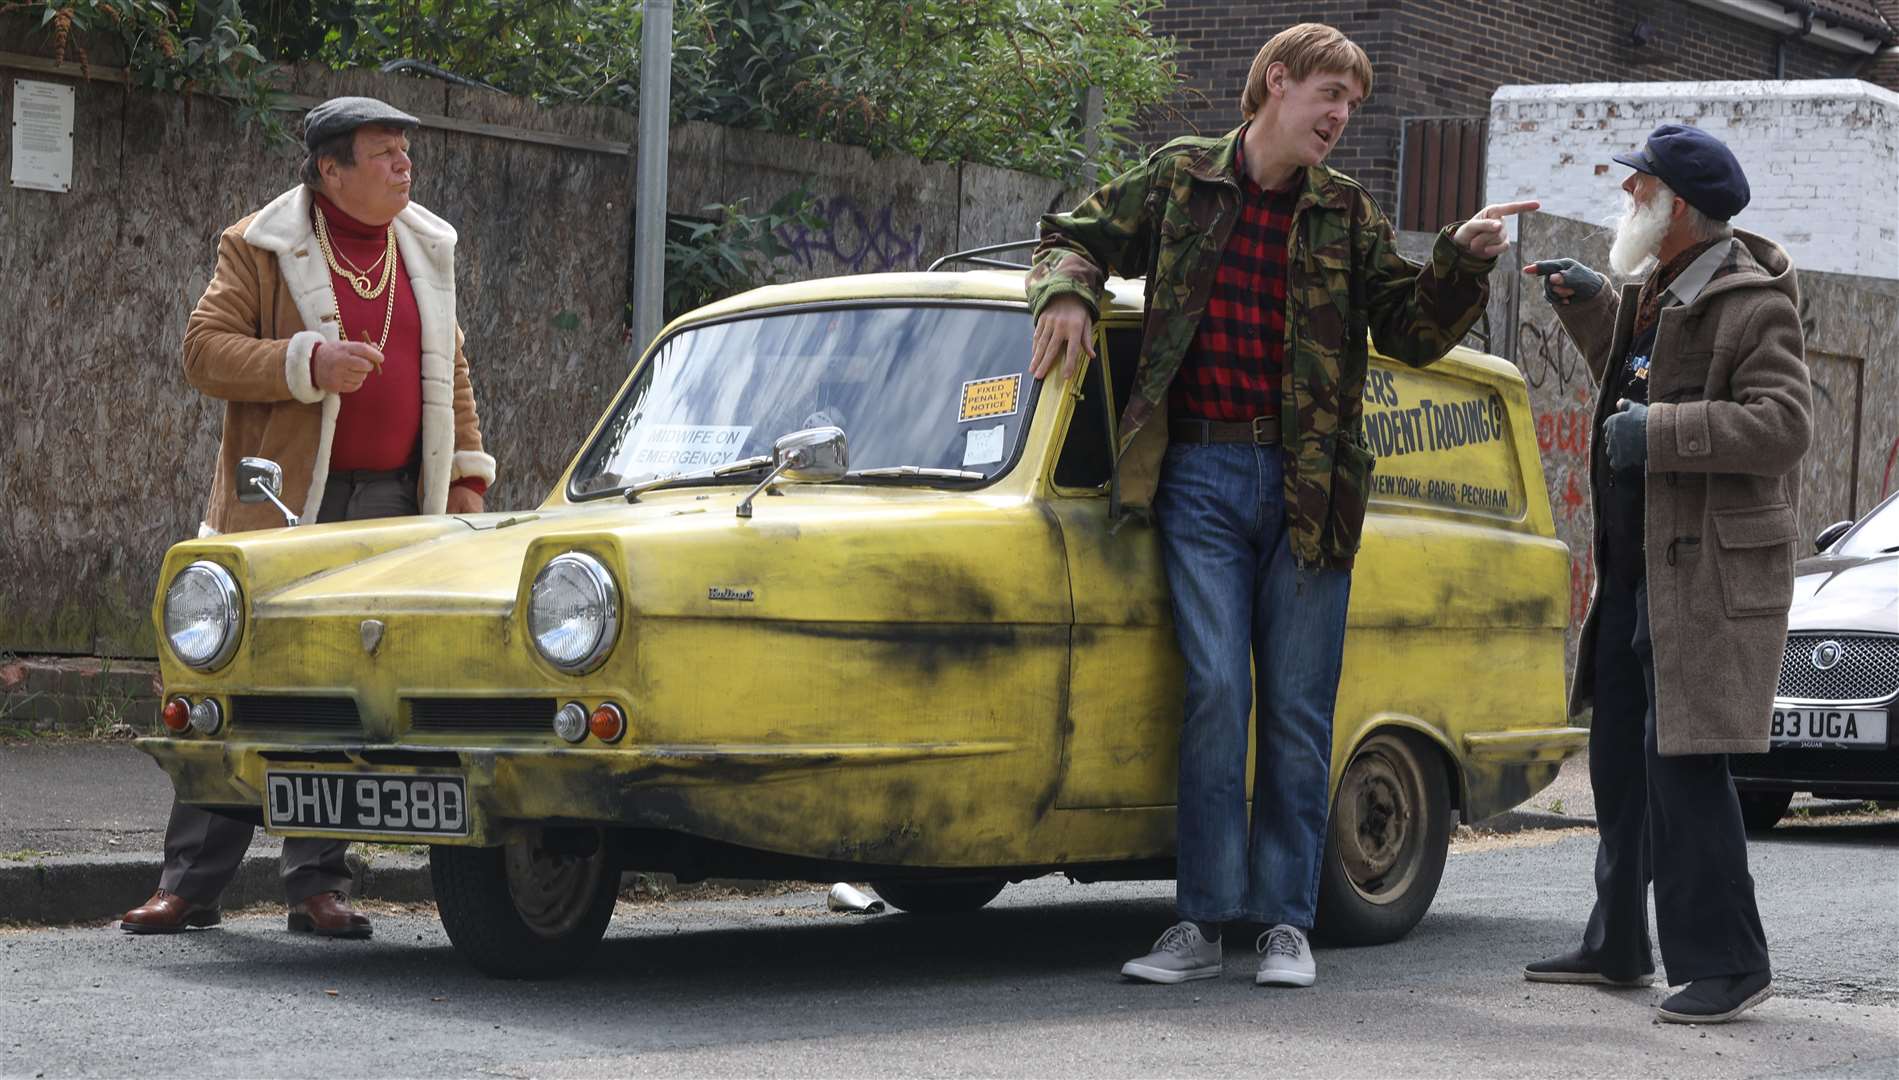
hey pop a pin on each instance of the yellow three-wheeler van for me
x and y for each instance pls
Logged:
(836, 591)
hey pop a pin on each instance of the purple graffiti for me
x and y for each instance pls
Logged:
(858, 238)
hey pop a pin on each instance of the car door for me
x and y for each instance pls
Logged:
(1125, 670)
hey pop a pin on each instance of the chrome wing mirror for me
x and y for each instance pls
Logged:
(812, 456)
(262, 480)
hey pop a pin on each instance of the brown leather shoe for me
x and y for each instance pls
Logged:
(167, 913)
(328, 914)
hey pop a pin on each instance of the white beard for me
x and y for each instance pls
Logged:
(1639, 235)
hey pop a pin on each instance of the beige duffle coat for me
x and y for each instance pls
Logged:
(1730, 416)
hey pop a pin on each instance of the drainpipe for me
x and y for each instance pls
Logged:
(1780, 45)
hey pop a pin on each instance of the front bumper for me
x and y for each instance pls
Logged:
(512, 789)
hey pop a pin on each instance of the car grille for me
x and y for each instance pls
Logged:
(534, 715)
(295, 712)
(1868, 669)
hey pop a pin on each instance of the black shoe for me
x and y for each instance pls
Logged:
(1574, 967)
(1717, 1000)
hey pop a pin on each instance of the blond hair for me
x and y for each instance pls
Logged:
(1306, 49)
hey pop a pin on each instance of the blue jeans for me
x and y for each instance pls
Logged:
(1246, 615)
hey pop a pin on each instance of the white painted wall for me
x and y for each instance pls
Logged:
(1821, 156)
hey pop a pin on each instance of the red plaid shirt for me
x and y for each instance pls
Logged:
(1232, 370)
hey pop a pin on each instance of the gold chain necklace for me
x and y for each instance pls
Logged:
(388, 311)
(358, 280)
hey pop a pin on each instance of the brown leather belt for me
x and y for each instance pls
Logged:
(1260, 431)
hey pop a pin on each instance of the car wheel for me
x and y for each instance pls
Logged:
(528, 910)
(1762, 810)
(938, 897)
(1384, 852)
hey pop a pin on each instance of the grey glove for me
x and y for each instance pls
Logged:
(1577, 278)
(1625, 437)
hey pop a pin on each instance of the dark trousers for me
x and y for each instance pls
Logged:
(204, 850)
(1673, 820)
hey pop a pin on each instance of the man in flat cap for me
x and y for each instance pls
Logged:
(1703, 412)
(329, 332)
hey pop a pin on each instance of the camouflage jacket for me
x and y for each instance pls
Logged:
(1168, 220)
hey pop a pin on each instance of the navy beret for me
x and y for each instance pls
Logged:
(345, 114)
(1696, 166)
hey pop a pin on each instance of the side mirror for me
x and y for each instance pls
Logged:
(1829, 534)
(812, 456)
(262, 480)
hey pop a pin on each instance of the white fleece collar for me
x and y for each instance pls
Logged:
(286, 223)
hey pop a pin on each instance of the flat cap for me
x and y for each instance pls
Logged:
(345, 114)
(1696, 166)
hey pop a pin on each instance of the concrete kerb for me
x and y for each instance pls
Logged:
(67, 889)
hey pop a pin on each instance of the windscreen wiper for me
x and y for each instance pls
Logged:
(743, 465)
(917, 470)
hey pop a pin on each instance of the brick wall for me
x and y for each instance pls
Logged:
(1822, 157)
(1446, 57)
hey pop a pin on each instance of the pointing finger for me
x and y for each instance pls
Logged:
(1503, 210)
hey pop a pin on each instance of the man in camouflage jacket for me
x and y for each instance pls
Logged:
(1265, 273)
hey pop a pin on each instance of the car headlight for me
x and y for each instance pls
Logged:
(203, 612)
(574, 612)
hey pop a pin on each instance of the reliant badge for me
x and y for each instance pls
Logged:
(372, 635)
(721, 592)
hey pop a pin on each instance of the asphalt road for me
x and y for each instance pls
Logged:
(775, 985)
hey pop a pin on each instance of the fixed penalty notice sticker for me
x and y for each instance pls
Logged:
(986, 398)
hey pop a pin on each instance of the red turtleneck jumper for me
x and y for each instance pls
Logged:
(378, 426)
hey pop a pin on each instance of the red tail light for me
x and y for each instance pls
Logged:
(177, 714)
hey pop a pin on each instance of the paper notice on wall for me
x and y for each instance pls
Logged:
(42, 135)
(667, 448)
(984, 446)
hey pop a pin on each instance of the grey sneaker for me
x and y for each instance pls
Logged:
(1285, 958)
(1180, 955)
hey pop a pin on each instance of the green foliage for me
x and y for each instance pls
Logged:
(999, 82)
(994, 81)
(729, 252)
(197, 46)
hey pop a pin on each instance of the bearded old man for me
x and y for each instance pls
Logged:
(329, 332)
(1704, 412)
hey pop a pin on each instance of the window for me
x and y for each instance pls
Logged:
(1087, 455)
(1440, 171)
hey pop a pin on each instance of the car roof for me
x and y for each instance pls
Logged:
(1124, 296)
(1125, 300)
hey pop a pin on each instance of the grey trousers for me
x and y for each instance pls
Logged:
(203, 850)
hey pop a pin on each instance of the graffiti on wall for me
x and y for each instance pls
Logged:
(858, 239)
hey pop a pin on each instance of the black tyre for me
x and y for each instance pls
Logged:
(1762, 810)
(938, 897)
(527, 910)
(1384, 851)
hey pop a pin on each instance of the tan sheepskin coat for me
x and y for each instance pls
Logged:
(249, 341)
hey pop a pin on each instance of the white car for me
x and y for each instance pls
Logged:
(1834, 710)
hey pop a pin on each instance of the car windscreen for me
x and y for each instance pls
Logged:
(1876, 534)
(932, 387)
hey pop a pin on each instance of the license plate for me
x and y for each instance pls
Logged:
(1829, 727)
(366, 803)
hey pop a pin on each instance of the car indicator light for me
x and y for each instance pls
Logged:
(177, 714)
(608, 722)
